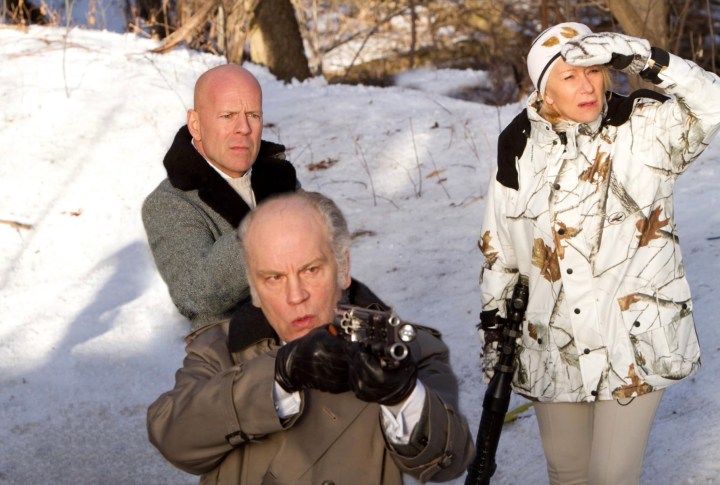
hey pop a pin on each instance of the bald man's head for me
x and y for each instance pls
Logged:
(226, 121)
(214, 78)
(296, 253)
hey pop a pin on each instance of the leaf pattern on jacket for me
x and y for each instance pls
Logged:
(486, 248)
(532, 332)
(636, 387)
(627, 301)
(546, 259)
(563, 232)
(650, 227)
(598, 170)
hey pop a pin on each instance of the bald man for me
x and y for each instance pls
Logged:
(218, 168)
(274, 397)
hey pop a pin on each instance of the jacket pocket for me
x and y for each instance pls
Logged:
(535, 331)
(662, 335)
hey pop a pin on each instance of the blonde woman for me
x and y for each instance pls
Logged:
(583, 205)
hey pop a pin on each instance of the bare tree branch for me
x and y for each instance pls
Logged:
(188, 29)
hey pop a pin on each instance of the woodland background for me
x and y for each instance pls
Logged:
(89, 336)
(370, 41)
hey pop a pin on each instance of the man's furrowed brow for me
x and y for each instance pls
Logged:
(264, 273)
(315, 262)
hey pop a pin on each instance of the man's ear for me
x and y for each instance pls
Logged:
(346, 271)
(254, 298)
(193, 124)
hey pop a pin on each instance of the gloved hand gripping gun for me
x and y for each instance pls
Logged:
(381, 332)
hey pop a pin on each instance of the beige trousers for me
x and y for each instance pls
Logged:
(600, 443)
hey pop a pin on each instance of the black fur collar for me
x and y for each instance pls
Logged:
(248, 325)
(187, 170)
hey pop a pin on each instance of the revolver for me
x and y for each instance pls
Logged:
(381, 332)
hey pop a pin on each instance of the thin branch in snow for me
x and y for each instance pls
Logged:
(418, 192)
(365, 166)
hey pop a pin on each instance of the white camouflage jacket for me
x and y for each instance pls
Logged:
(590, 220)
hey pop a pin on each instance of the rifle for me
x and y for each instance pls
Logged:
(497, 395)
(381, 332)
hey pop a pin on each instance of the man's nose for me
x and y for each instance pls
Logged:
(296, 291)
(242, 125)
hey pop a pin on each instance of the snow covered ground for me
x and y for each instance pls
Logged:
(89, 336)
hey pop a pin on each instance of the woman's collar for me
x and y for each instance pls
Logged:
(547, 130)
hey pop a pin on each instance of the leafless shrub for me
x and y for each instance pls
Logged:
(369, 41)
(364, 163)
(25, 12)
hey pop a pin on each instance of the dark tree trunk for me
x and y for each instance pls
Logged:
(235, 29)
(24, 12)
(647, 19)
(275, 40)
(150, 16)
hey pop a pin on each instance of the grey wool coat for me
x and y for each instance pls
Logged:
(191, 220)
(219, 421)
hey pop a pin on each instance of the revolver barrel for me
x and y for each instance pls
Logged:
(382, 331)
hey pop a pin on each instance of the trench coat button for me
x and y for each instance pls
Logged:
(593, 393)
(684, 306)
(424, 441)
(561, 231)
(556, 186)
(577, 311)
(569, 271)
(636, 323)
(586, 351)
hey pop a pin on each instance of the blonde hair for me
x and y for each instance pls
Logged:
(551, 114)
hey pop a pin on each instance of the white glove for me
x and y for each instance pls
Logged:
(622, 52)
(490, 344)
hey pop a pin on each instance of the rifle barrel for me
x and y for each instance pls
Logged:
(497, 395)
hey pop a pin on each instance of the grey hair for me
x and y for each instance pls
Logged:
(331, 214)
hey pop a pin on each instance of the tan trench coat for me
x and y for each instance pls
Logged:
(219, 422)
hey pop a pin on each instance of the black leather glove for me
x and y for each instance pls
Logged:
(317, 360)
(373, 382)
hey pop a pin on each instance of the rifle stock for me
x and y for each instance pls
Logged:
(497, 395)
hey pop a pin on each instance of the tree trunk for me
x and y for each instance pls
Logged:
(646, 19)
(275, 40)
(233, 24)
(24, 12)
(154, 13)
(643, 18)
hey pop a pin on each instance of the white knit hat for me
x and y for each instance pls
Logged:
(545, 50)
